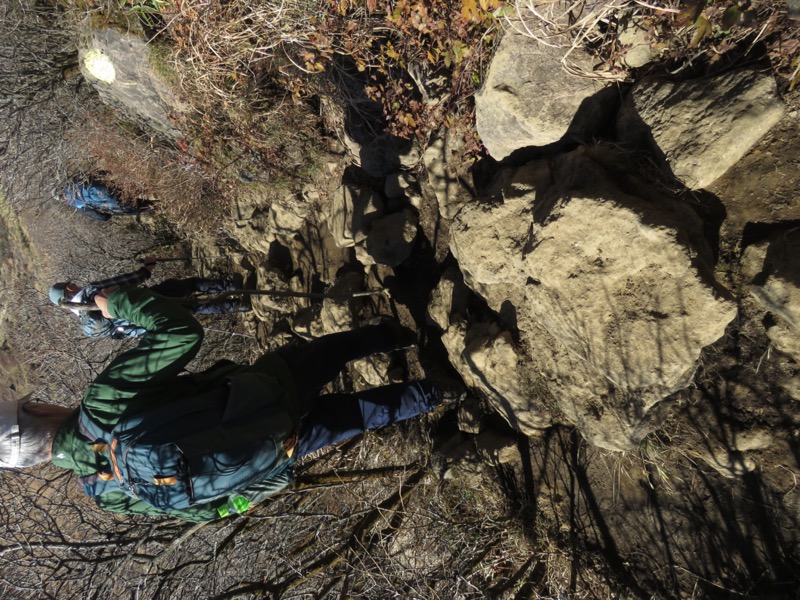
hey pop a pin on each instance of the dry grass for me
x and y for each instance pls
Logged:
(249, 67)
(570, 26)
(684, 36)
(234, 65)
(179, 188)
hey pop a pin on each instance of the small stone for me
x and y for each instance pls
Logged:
(634, 34)
(792, 387)
(793, 7)
(391, 239)
(498, 447)
(470, 416)
(752, 261)
(780, 292)
(443, 178)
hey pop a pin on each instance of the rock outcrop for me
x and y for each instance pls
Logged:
(488, 360)
(352, 212)
(118, 66)
(357, 219)
(383, 154)
(609, 287)
(443, 176)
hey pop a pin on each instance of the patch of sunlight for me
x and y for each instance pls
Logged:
(100, 66)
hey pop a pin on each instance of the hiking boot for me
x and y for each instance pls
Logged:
(221, 307)
(212, 286)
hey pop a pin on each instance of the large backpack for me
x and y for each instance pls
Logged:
(195, 449)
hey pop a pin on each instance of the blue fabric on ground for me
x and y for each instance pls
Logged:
(95, 197)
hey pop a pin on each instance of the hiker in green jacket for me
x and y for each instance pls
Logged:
(271, 409)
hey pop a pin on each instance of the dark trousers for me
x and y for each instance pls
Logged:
(331, 418)
(181, 288)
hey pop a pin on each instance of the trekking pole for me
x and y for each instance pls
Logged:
(233, 333)
(191, 258)
(81, 307)
(313, 295)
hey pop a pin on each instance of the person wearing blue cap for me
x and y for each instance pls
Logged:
(94, 324)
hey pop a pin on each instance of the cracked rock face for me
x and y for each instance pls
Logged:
(529, 100)
(607, 286)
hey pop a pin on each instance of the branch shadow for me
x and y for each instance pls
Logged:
(674, 529)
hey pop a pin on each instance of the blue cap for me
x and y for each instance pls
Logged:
(58, 292)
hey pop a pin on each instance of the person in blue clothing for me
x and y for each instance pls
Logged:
(96, 201)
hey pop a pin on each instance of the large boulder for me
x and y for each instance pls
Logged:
(777, 288)
(700, 127)
(610, 288)
(118, 66)
(528, 99)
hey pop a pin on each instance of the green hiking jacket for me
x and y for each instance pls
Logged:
(150, 374)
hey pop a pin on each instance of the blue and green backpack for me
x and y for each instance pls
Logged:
(196, 449)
